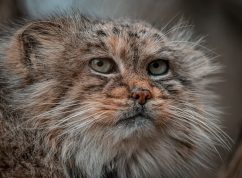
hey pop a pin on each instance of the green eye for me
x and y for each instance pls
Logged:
(102, 65)
(158, 67)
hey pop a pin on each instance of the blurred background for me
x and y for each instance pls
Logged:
(220, 21)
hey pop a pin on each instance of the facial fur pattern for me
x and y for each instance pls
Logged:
(61, 118)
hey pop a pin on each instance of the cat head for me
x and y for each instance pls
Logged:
(105, 90)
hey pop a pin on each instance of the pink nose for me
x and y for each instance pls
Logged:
(141, 95)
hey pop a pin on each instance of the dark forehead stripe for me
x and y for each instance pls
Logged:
(136, 55)
(125, 25)
(143, 31)
(101, 33)
(98, 44)
(133, 34)
(116, 31)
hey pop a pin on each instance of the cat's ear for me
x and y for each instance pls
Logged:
(32, 43)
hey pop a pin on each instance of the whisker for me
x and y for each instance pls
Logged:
(196, 44)
(190, 118)
(176, 28)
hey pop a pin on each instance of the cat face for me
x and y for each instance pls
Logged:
(108, 93)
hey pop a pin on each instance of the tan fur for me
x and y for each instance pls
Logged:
(71, 121)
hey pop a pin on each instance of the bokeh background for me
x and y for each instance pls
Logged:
(220, 21)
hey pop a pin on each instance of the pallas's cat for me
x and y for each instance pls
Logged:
(84, 97)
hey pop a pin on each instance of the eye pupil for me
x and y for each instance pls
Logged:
(156, 65)
(100, 63)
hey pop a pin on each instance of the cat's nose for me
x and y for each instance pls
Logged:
(141, 95)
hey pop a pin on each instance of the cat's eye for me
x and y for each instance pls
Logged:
(158, 67)
(102, 65)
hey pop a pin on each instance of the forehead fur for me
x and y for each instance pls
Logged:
(67, 40)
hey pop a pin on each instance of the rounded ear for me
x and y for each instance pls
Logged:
(36, 36)
(32, 43)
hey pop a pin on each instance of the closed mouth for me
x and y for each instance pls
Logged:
(134, 120)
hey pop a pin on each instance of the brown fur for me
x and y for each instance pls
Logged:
(60, 118)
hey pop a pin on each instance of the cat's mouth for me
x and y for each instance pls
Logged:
(138, 119)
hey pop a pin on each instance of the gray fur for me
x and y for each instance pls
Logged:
(51, 126)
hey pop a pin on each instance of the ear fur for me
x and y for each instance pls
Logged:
(32, 44)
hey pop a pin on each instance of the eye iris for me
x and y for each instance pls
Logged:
(102, 65)
(158, 67)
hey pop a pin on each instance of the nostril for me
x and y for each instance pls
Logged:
(141, 95)
(147, 95)
(136, 95)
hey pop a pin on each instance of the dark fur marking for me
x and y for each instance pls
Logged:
(184, 81)
(101, 33)
(156, 36)
(116, 31)
(135, 56)
(125, 26)
(171, 90)
(142, 31)
(30, 44)
(73, 171)
(101, 45)
(131, 34)
(108, 172)
(94, 88)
